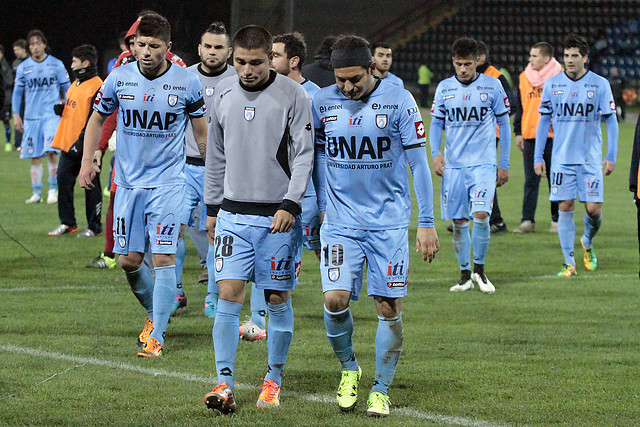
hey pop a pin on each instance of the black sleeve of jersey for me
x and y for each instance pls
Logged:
(290, 206)
(212, 210)
(191, 108)
(517, 116)
(509, 92)
(635, 160)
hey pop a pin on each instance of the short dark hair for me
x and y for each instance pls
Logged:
(483, 49)
(155, 25)
(121, 38)
(545, 48)
(217, 28)
(464, 47)
(294, 45)
(39, 34)
(86, 52)
(253, 37)
(325, 47)
(20, 43)
(575, 40)
(350, 41)
(144, 12)
(383, 45)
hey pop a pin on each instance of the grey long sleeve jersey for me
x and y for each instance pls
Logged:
(259, 148)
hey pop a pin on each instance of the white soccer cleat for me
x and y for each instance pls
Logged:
(483, 283)
(52, 197)
(35, 198)
(249, 331)
(461, 287)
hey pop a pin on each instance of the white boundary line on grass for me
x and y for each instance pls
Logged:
(408, 412)
(302, 283)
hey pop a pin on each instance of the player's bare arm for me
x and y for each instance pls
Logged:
(200, 134)
(609, 167)
(540, 169)
(91, 137)
(427, 242)
(17, 123)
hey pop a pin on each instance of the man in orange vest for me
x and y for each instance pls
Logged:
(634, 175)
(497, 223)
(69, 139)
(542, 66)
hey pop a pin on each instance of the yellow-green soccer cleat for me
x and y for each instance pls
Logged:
(378, 405)
(590, 258)
(568, 270)
(347, 396)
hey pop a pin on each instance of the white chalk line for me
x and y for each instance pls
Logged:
(408, 412)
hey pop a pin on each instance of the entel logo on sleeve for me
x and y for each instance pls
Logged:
(419, 129)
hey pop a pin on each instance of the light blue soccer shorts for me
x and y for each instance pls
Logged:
(38, 137)
(194, 194)
(152, 211)
(250, 252)
(310, 223)
(584, 180)
(345, 250)
(467, 190)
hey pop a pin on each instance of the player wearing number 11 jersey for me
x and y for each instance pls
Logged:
(367, 131)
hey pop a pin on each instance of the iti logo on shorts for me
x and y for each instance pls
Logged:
(420, 132)
(165, 230)
(249, 113)
(281, 264)
(479, 195)
(172, 100)
(397, 276)
(593, 187)
(381, 121)
(209, 90)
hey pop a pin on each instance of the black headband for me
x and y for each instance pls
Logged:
(351, 57)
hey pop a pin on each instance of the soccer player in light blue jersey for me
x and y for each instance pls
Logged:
(576, 102)
(367, 131)
(155, 99)
(467, 106)
(41, 79)
(383, 58)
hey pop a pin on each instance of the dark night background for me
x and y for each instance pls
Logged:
(72, 23)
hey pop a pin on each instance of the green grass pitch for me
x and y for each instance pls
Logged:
(540, 351)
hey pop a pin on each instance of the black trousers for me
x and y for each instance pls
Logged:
(68, 170)
(532, 181)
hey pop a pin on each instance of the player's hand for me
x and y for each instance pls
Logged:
(609, 167)
(283, 222)
(427, 242)
(17, 123)
(438, 165)
(503, 177)
(520, 142)
(211, 228)
(540, 169)
(97, 160)
(86, 175)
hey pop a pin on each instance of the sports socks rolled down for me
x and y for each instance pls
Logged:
(141, 283)
(339, 332)
(480, 236)
(225, 339)
(36, 178)
(164, 292)
(280, 335)
(53, 174)
(258, 306)
(591, 227)
(462, 245)
(388, 348)
(567, 235)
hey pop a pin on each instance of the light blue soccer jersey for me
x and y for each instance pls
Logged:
(469, 112)
(366, 165)
(576, 108)
(41, 83)
(152, 120)
(311, 89)
(394, 80)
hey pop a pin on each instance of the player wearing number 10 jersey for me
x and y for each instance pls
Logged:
(576, 101)
(367, 131)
